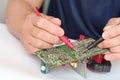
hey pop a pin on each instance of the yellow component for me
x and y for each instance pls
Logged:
(74, 64)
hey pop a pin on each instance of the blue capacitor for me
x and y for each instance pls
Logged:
(44, 68)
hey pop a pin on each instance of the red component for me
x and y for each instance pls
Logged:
(37, 11)
(66, 41)
(99, 58)
(82, 37)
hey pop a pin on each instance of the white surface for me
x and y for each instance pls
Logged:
(16, 64)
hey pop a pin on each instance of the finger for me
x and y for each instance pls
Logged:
(45, 36)
(108, 43)
(30, 48)
(39, 43)
(115, 49)
(112, 22)
(54, 20)
(112, 56)
(48, 26)
(113, 32)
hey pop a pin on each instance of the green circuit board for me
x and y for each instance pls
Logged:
(61, 55)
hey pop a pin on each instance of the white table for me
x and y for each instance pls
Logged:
(17, 64)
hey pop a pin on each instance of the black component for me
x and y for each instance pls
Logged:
(105, 66)
(94, 44)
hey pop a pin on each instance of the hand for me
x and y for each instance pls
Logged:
(111, 35)
(40, 32)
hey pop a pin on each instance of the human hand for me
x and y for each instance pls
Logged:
(40, 32)
(111, 35)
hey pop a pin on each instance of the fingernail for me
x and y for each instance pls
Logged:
(106, 27)
(106, 35)
(61, 32)
(107, 57)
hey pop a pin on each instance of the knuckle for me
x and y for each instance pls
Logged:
(117, 20)
(39, 33)
(112, 19)
(112, 33)
(32, 30)
(58, 20)
(39, 44)
(41, 22)
(109, 34)
(49, 17)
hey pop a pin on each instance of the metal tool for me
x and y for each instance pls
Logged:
(94, 44)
